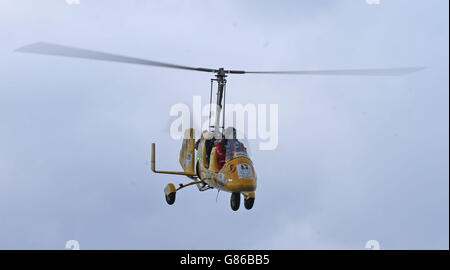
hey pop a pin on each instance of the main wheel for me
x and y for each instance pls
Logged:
(170, 199)
(248, 203)
(235, 200)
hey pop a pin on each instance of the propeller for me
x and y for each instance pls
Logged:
(61, 50)
(361, 72)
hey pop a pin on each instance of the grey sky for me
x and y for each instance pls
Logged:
(358, 158)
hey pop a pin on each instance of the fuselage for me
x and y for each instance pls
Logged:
(236, 175)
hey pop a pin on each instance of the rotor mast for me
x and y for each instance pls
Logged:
(221, 82)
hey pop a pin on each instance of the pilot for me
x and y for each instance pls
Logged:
(220, 153)
(204, 136)
(209, 143)
(232, 144)
(230, 133)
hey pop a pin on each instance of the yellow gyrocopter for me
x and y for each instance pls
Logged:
(229, 169)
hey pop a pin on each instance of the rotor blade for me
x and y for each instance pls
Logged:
(358, 72)
(60, 50)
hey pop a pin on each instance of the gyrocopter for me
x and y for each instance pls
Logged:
(218, 160)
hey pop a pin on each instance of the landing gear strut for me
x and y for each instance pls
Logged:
(170, 190)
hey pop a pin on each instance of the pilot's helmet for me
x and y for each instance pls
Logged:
(230, 133)
(206, 135)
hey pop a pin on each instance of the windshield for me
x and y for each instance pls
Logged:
(234, 149)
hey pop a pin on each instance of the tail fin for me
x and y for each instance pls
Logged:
(187, 152)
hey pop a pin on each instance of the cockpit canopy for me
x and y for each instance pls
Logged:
(231, 147)
(234, 148)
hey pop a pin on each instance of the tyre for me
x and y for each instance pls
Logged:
(249, 203)
(170, 198)
(235, 200)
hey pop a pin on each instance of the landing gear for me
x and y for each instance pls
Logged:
(249, 200)
(248, 203)
(170, 192)
(235, 200)
(170, 199)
